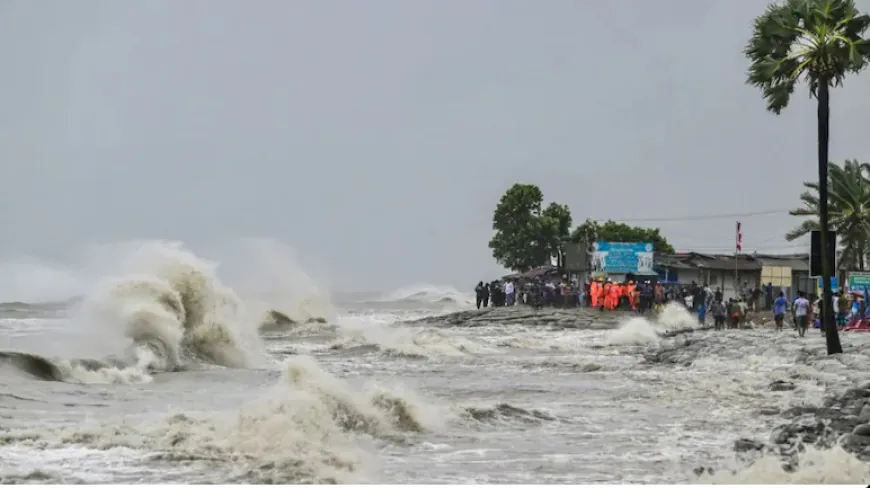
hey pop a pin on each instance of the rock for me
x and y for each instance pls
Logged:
(804, 430)
(780, 385)
(855, 443)
(767, 411)
(862, 430)
(844, 424)
(852, 395)
(864, 415)
(745, 445)
(801, 410)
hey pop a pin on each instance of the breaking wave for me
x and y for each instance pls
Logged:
(168, 311)
(429, 294)
(814, 467)
(312, 427)
(639, 331)
(365, 336)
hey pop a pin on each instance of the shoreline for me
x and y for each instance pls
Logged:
(568, 318)
(841, 420)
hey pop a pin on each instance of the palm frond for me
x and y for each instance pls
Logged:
(818, 41)
(803, 229)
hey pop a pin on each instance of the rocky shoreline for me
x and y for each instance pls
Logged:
(566, 318)
(841, 420)
(554, 318)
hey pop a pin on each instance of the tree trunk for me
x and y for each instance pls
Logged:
(832, 336)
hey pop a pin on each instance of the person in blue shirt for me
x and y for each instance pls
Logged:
(780, 305)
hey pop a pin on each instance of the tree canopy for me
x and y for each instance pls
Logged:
(526, 234)
(591, 231)
(848, 207)
(819, 41)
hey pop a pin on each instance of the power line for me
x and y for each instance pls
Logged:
(747, 249)
(699, 217)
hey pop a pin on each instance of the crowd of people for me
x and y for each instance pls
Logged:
(649, 296)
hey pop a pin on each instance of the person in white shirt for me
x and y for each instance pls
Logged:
(802, 313)
(509, 293)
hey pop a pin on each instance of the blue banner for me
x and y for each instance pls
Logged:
(834, 284)
(623, 257)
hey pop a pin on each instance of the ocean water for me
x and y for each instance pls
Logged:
(167, 371)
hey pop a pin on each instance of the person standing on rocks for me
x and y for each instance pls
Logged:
(802, 313)
(718, 311)
(486, 292)
(509, 293)
(779, 307)
(478, 292)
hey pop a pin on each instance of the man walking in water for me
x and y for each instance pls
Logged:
(779, 307)
(801, 313)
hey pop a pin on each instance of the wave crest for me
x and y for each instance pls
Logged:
(168, 311)
(429, 294)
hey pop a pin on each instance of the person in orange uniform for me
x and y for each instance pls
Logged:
(594, 291)
(606, 292)
(615, 293)
(632, 294)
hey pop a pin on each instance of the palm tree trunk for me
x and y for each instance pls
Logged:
(832, 336)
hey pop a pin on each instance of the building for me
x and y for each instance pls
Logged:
(789, 272)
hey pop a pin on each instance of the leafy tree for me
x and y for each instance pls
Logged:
(591, 231)
(848, 211)
(526, 236)
(819, 41)
(556, 222)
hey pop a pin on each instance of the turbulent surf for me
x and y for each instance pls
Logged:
(170, 368)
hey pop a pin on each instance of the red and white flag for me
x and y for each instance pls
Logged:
(739, 238)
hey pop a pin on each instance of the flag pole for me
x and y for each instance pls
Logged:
(737, 248)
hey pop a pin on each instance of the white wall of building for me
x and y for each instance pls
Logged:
(722, 279)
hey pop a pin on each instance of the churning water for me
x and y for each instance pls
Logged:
(164, 374)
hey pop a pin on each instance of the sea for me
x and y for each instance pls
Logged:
(167, 371)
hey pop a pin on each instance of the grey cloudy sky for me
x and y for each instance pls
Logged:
(375, 137)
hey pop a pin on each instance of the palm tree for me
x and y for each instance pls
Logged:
(848, 211)
(819, 41)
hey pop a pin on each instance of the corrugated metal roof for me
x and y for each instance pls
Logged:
(726, 262)
(797, 262)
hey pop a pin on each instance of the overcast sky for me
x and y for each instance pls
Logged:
(376, 137)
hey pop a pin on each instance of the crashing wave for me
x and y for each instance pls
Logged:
(172, 312)
(429, 294)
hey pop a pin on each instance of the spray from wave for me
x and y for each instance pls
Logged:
(426, 294)
(640, 331)
(815, 467)
(311, 427)
(365, 335)
(167, 311)
(269, 278)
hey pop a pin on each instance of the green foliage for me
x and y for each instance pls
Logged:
(819, 41)
(591, 231)
(848, 210)
(526, 236)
